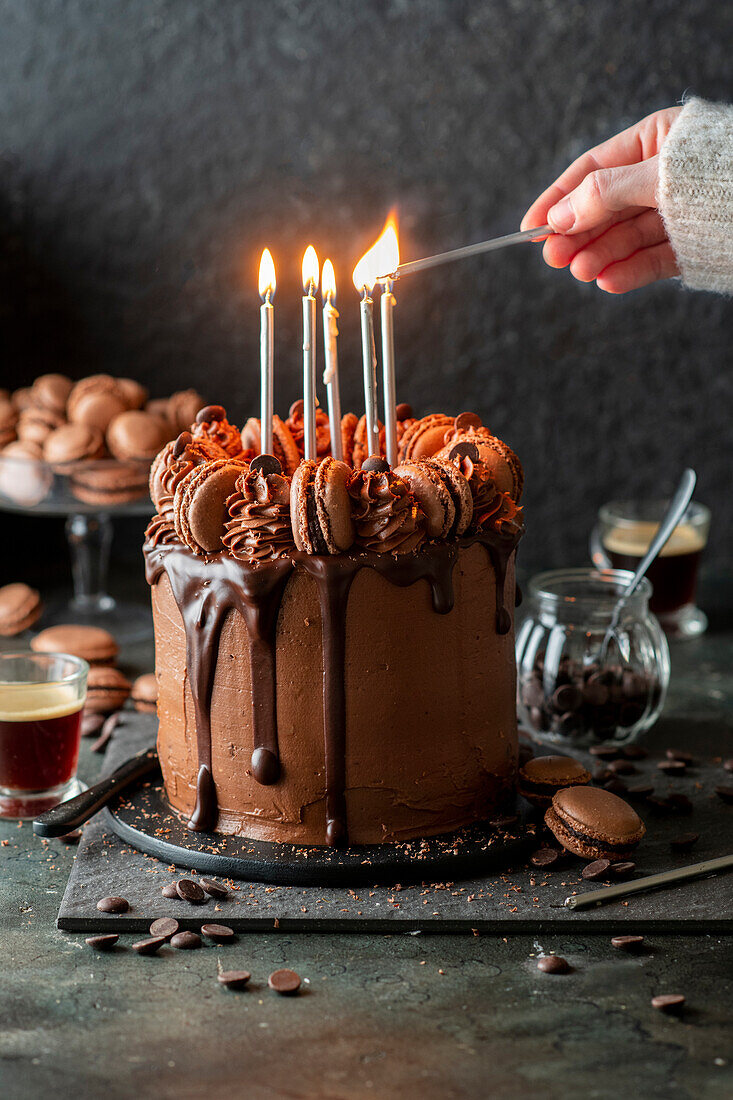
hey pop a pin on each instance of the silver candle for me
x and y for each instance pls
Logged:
(310, 285)
(330, 351)
(388, 371)
(267, 326)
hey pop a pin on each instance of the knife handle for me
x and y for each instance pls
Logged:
(70, 815)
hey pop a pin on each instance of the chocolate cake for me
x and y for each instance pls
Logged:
(334, 645)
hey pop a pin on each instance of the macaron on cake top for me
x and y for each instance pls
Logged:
(320, 507)
(543, 776)
(594, 823)
(205, 498)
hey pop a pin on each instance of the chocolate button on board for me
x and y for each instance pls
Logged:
(150, 946)
(234, 979)
(164, 926)
(102, 943)
(627, 943)
(213, 888)
(598, 869)
(190, 891)
(668, 1002)
(284, 982)
(219, 933)
(186, 941)
(113, 905)
(553, 964)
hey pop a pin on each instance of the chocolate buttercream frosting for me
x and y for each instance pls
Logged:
(212, 426)
(386, 516)
(296, 424)
(259, 527)
(492, 509)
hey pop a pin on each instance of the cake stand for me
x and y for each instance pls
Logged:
(89, 500)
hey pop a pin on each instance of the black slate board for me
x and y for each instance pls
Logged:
(524, 899)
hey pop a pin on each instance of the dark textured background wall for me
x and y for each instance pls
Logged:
(150, 148)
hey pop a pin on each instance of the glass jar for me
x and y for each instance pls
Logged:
(565, 692)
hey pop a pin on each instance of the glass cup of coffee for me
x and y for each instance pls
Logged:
(622, 536)
(41, 700)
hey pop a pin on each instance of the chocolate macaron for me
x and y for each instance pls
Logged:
(594, 823)
(144, 693)
(284, 447)
(320, 507)
(200, 504)
(136, 436)
(442, 492)
(72, 443)
(91, 643)
(20, 607)
(542, 777)
(425, 436)
(108, 482)
(107, 689)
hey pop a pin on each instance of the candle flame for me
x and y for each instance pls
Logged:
(267, 275)
(310, 269)
(328, 280)
(382, 258)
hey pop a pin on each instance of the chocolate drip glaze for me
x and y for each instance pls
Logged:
(205, 590)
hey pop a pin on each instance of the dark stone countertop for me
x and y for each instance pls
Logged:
(380, 1015)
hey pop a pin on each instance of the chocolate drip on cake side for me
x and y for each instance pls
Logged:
(204, 597)
(205, 590)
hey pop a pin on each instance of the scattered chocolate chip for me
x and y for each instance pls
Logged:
(403, 411)
(627, 943)
(110, 725)
(150, 946)
(504, 822)
(668, 1002)
(685, 842)
(376, 465)
(679, 803)
(634, 752)
(113, 905)
(165, 927)
(621, 767)
(640, 790)
(266, 464)
(91, 723)
(553, 964)
(213, 888)
(284, 982)
(190, 891)
(728, 765)
(615, 785)
(726, 793)
(219, 933)
(566, 698)
(210, 413)
(672, 767)
(682, 757)
(236, 979)
(102, 943)
(169, 891)
(186, 941)
(181, 443)
(623, 869)
(545, 857)
(595, 870)
(604, 752)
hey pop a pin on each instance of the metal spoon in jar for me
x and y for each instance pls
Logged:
(677, 508)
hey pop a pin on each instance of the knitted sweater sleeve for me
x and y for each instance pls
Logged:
(696, 194)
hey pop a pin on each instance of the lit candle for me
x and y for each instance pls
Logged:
(376, 260)
(364, 278)
(310, 285)
(330, 348)
(267, 323)
(389, 259)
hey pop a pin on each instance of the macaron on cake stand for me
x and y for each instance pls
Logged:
(90, 499)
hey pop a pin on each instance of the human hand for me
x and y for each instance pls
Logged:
(603, 209)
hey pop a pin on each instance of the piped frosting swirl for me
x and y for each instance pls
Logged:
(258, 528)
(386, 517)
